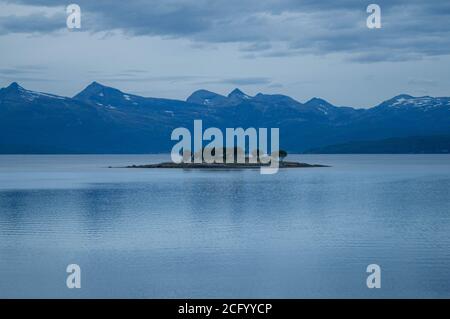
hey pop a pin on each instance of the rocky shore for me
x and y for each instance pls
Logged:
(283, 164)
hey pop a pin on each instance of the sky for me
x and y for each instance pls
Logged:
(170, 48)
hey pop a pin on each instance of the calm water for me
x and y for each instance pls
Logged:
(170, 233)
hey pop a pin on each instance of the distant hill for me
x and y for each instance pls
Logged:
(101, 119)
(405, 145)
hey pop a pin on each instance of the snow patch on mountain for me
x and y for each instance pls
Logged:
(424, 102)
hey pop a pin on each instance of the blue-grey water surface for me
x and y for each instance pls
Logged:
(162, 233)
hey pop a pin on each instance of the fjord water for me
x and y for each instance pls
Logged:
(209, 233)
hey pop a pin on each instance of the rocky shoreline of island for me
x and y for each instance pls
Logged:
(283, 164)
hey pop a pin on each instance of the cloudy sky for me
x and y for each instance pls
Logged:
(169, 48)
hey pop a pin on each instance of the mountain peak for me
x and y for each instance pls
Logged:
(15, 86)
(15, 91)
(398, 100)
(12, 90)
(96, 85)
(96, 88)
(205, 97)
(203, 94)
(403, 96)
(315, 101)
(405, 101)
(238, 93)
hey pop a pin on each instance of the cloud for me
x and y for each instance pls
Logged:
(247, 81)
(23, 69)
(32, 73)
(239, 81)
(140, 76)
(137, 77)
(412, 29)
(33, 23)
(275, 86)
(258, 46)
(422, 82)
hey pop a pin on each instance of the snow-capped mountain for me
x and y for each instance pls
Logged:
(15, 91)
(102, 119)
(204, 97)
(423, 103)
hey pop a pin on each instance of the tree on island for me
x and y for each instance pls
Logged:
(282, 154)
(229, 155)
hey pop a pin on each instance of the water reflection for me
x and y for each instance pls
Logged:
(168, 233)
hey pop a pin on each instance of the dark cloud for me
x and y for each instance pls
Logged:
(412, 29)
(258, 46)
(275, 86)
(246, 81)
(238, 81)
(22, 71)
(134, 77)
(21, 78)
(192, 79)
(33, 23)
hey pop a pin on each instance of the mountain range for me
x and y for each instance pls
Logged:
(102, 119)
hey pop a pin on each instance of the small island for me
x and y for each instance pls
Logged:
(234, 164)
(224, 165)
